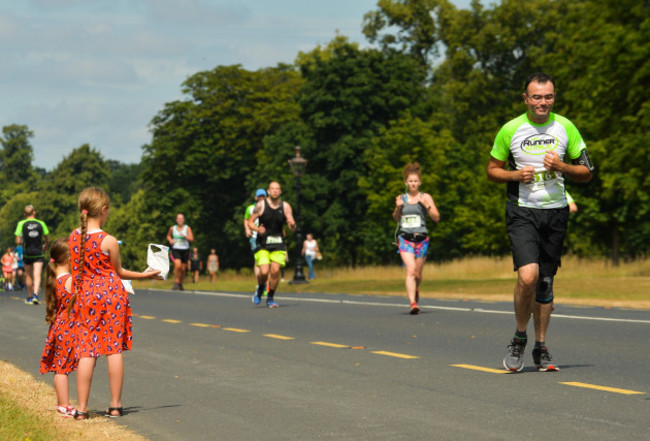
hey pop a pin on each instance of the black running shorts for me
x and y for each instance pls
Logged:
(182, 255)
(32, 260)
(537, 236)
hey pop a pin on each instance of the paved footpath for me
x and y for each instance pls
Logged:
(212, 366)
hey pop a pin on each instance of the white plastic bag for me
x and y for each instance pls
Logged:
(128, 287)
(158, 259)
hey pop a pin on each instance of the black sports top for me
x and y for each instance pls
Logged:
(273, 220)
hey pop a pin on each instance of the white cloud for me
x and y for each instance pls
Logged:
(98, 71)
(197, 12)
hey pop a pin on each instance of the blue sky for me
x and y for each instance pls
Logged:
(97, 71)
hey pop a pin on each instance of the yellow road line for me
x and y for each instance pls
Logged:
(200, 325)
(481, 368)
(171, 321)
(236, 330)
(279, 337)
(394, 354)
(330, 345)
(603, 388)
(146, 317)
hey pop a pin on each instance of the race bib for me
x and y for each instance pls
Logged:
(542, 181)
(274, 240)
(411, 221)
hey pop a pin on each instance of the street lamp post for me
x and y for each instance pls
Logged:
(298, 165)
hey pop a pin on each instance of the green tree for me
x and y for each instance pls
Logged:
(124, 180)
(601, 62)
(348, 97)
(16, 172)
(409, 26)
(83, 167)
(204, 148)
(17, 153)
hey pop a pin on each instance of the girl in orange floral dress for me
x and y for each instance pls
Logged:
(103, 323)
(59, 354)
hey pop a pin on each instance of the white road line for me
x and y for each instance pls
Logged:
(402, 306)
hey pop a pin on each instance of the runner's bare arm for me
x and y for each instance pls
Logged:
(431, 208)
(257, 212)
(110, 245)
(288, 213)
(247, 229)
(496, 172)
(399, 205)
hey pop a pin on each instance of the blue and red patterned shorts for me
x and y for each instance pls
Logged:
(418, 248)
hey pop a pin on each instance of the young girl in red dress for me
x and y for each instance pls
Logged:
(59, 354)
(103, 320)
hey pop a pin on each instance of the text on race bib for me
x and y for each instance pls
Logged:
(274, 240)
(542, 180)
(411, 221)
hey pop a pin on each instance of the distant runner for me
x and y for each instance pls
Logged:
(271, 253)
(260, 194)
(180, 236)
(411, 210)
(34, 236)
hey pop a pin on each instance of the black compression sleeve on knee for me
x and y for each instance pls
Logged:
(544, 291)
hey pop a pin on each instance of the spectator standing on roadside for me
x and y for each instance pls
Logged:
(196, 265)
(8, 269)
(213, 265)
(103, 321)
(59, 352)
(310, 251)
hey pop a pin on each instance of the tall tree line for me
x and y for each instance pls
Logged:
(435, 88)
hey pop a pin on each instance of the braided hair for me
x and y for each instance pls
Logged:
(91, 202)
(59, 255)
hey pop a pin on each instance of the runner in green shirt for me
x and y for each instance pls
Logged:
(34, 236)
(536, 145)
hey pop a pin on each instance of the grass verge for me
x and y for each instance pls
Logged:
(27, 413)
(579, 281)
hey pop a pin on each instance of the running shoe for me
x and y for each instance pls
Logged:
(414, 309)
(28, 301)
(175, 287)
(65, 411)
(514, 359)
(543, 360)
(271, 303)
(256, 299)
(35, 300)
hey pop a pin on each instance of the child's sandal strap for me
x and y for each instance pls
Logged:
(110, 410)
(78, 415)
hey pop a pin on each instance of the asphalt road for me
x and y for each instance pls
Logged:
(212, 366)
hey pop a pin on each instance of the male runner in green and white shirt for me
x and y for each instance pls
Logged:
(536, 145)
